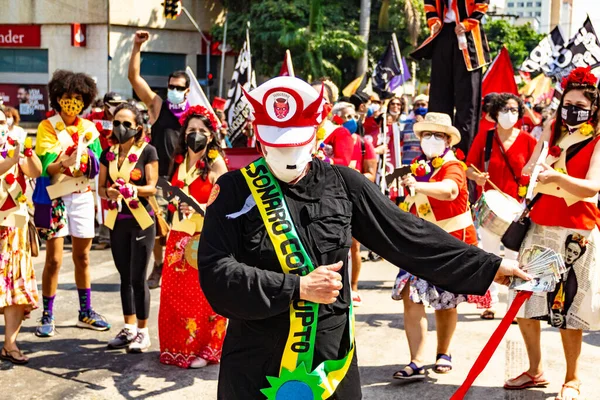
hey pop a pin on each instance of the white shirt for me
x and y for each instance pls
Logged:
(450, 16)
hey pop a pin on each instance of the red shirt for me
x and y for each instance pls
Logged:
(553, 211)
(518, 155)
(357, 158)
(96, 117)
(199, 189)
(342, 143)
(442, 210)
(372, 129)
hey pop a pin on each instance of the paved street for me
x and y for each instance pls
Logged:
(75, 364)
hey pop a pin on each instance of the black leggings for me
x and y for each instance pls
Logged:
(131, 249)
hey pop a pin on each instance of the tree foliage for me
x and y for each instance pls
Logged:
(519, 40)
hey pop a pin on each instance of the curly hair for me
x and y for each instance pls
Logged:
(182, 147)
(498, 102)
(138, 118)
(68, 82)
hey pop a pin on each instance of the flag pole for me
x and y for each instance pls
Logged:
(399, 60)
(223, 51)
(249, 72)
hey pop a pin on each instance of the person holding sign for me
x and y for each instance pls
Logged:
(565, 218)
(191, 333)
(273, 256)
(18, 292)
(128, 176)
(69, 148)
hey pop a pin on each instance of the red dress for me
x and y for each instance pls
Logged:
(188, 326)
(518, 155)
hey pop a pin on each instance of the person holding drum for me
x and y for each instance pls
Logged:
(439, 194)
(497, 157)
(566, 218)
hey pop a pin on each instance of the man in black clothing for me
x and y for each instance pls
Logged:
(241, 273)
(164, 118)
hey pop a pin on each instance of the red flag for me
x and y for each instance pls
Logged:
(78, 35)
(287, 68)
(500, 77)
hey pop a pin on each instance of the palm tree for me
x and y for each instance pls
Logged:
(365, 23)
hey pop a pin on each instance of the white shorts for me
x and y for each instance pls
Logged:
(80, 216)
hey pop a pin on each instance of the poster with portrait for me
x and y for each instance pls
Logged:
(31, 101)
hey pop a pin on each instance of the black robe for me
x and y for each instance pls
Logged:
(242, 278)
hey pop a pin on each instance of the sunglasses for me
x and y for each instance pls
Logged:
(178, 88)
(395, 104)
(126, 124)
(437, 135)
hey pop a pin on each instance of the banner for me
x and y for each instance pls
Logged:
(389, 66)
(236, 108)
(583, 50)
(30, 100)
(544, 53)
(196, 95)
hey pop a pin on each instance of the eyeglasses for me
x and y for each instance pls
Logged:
(126, 124)
(178, 88)
(437, 135)
(512, 110)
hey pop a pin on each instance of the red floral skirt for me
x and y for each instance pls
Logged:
(187, 325)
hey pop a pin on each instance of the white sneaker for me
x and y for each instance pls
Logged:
(140, 344)
(198, 362)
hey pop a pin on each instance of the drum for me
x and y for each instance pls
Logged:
(495, 211)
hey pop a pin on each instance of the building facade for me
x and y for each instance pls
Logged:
(38, 37)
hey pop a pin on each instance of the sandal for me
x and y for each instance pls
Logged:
(488, 314)
(443, 364)
(569, 386)
(7, 355)
(415, 373)
(534, 381)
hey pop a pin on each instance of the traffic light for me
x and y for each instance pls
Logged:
(210, 79)
(172, 8)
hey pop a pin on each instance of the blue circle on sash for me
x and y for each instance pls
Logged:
(294, 390)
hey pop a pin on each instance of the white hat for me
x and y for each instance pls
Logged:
(438, 122)
(286, 111)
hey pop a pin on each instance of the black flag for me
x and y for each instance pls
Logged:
(389, 66)
(544, 53)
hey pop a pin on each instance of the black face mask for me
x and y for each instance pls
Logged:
(196, 141)
(573, 115)
(123, 134)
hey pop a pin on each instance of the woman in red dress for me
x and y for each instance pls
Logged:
(191, 334)
(511, 149)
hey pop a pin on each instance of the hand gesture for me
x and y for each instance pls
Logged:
(141, 37)
(548, 174)
(481, 178)
(507, 269)
(113, 193)
(69, 161)
(408, 181)
(323, 285)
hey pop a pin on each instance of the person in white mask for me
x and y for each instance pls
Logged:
(500, 155)
(12, 120)
(438, 193)
(273, 255)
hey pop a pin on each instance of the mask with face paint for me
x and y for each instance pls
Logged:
(196, 141)
(288, 163)
(121, 133)
(71, 106)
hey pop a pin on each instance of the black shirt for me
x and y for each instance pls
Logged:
(147, 156)
(164, 137)
(243, 281)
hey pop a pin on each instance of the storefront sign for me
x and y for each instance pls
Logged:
(30, 100)
(20, 36)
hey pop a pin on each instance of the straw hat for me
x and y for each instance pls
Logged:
(438, 122)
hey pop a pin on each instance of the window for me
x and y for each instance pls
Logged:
(538, 3)
(530, 4)
(24, 60)
(520, 4)
(161, 64)
(538, 14)
(510, 5)
(520, 14)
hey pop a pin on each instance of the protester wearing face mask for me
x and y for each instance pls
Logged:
(69, 148)
(276, 236)
(191, 333)
(501, 164)
(396, 110)
(103, 121)
(438, 194)
(340, 139)
(164, 118)
(420, 105)
(567, 208)
(128, 177)
(12, 121)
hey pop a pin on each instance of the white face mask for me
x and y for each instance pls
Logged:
(433, 147)
(394, 113)
(288, 163)
(10, 121)
(507, 119)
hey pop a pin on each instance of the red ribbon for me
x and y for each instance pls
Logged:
(491, 345)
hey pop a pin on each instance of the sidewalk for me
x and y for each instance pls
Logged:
(75, 364)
